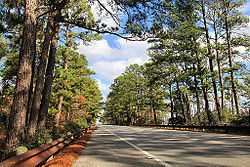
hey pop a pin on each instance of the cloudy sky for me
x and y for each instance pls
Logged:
(110, 56)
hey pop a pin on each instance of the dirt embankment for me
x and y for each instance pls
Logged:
(70, 153)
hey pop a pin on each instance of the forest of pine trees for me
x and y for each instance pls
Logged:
(198, 72)
(46, 86)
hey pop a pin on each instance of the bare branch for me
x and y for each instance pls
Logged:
(116, 20)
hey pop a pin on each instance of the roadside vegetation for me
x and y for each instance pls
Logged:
(74, 103)
(46, 86)
(198, 71)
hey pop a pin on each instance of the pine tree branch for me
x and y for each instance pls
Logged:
(81, 25)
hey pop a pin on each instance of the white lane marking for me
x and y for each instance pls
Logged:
(149, 155)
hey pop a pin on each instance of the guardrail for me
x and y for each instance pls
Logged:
(38, 156)
(217, 129)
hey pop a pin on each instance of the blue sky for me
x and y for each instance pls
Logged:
(110, 56)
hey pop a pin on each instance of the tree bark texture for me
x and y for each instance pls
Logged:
(37, 96)
(48, 79)
(19, 107)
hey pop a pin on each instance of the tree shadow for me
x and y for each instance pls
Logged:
(176, 148)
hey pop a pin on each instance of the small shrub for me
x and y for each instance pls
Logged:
(176, 121)
(57, 132)
(41, 137)
(72, 127)
(227, 116)
(240, 120)
(82, 122)
(204, 119)
(21, 150)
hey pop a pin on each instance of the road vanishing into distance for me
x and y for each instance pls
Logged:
(122, 146)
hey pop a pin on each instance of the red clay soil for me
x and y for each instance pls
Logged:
(70, 153)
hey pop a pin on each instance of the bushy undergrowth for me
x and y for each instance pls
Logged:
(51, 133)
(227, 118)
(82, 122)
(72, 127)
(41, 137)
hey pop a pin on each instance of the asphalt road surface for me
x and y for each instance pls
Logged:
(121, 146)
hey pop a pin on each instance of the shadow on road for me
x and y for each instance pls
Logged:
(175, 148)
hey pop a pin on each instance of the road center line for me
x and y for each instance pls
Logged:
(141, 150)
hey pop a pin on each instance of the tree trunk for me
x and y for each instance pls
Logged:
(19, 108)
(197, 95)
(187, 111)
(59, 108)
(229, 49)
(249, 117)
(37, 97)
(31, 91)
(138, 105)
(210, 59)
(181, 101)
(128, 115)
(232, 102)
(171, 102)
(49, 79)
(154, 112)
(152, 104)
(205, 96)
(204, 90)
(218, 65)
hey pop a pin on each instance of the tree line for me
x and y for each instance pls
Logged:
(198, 71)
(44, 80)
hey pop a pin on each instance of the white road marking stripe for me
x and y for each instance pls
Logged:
(141, 150)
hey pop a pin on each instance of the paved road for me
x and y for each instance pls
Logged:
(116, 146)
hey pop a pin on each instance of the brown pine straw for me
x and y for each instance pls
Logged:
(70, 153)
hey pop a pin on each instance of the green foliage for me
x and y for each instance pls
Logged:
(82, 122)
(176, 79)
(176, 121)
(72, 127)
(227, 116)
(204, 119)
(131, 93)
(242, 120)
(57, 132)
(21, 150)
(81, 94)
(3, 46)
(8, 70)
(41, 137)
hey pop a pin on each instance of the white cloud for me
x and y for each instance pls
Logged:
(109, 63)
(104, 87)
(109, 70)
(100, 50)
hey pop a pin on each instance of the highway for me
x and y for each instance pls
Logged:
(122, 146)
